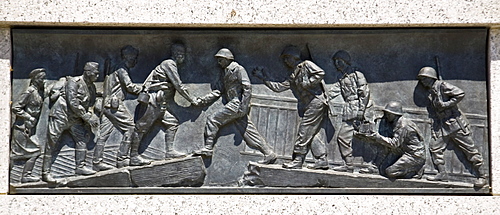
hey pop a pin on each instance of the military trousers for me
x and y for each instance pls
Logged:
(229, 114)
(462, 140)
(310, 123)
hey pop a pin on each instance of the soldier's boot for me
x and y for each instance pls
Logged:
(441, 176)
(481, 180)
(122, 158)
(97, 163)
(28, 167)
(135, 158)
(170, 152)
(46, 165)
(81, 168)
(296, 163)
(269, 159)
(269, 155)
(207, 150)
(319, 163)
(369, 169)
(27, 177)
(347, 167)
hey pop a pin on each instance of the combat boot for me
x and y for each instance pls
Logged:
(269, 159)
(135, 158)
(348, 167)
(320, 163)
(441, 176)
(27, 177)
(122, 162)
(139, 161)
(46, 165)
(296, 163)
(81, 168)
(101, 166)
(170, 152)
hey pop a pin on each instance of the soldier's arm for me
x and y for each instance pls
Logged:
(20, 103)
(217, 91)
(363, 91)
(278, 86)
(454, 93)
(173, 76)
(387, 141)
(314, 75)
(74, 102)
(127, 82)
(247, 90)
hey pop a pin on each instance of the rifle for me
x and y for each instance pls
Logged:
(438, 68)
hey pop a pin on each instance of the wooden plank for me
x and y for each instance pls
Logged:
(187, 172)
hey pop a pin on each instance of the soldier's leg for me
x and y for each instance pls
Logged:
(124, 122)
(28, 167)
(142, 126)
(437, 147)
(308, 128)
(105, 130)
(220, 118)
(253, 139)
(55, 129)
(344, 141)
(80, 135)
(405, 167)
(318, 147)
(171, 125)
(465, 142)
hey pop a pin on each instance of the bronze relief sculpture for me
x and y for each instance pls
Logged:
(182, 123)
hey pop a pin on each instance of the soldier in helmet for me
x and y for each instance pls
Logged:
(449, 125)
(356, 95)
(403, 141)
(114, 113)
(71, 112)
(159, 89)
(27, 107)
(237, 90)
(306, 82)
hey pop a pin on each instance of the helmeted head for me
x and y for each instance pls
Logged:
(129, 55)
(341, 60)
(393, 110)
(37, 77)
(427, 76)
(291, 56)
(224, 57)
(178, 52)
(91, 71)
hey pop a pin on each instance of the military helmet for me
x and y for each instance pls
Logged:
(394, 108)
(342, 55)
(35, 72)
(427, 72)
(225, 53)
(291, 51)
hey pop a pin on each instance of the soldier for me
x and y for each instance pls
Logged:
(237, 89)
(356, 94)
(160, 87)
(449, 124)
(306, 82)
(114, 113)
(403, 139)
(71, 112)
(26, 108)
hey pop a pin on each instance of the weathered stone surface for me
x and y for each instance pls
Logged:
(180, 173)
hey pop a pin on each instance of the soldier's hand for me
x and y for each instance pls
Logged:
(259, 73)
(93, 121)
(196, 101)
